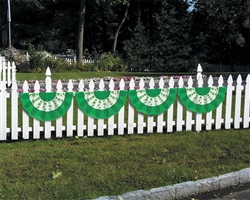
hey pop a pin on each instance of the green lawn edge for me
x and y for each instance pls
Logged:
(90, 167)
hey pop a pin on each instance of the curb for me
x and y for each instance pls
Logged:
(186, 189)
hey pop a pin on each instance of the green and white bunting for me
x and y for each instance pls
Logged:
(49, 106)
(152, 101)
(101, 104)
(46, 106)
(202, 100)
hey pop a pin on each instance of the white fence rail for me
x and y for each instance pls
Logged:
(16, 124)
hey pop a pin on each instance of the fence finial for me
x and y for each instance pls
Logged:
(199, 80)
(48, 72)
(199, 69)
(48, 80)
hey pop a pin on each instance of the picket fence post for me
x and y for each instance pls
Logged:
(131, 112)
(140, 116)
(189, 114)
(59, 130)
(228, 111)
(14, 105)
(111, 120)
(238, 94)
(150, 120)
(160, 122)
(70, 127)
(246, 103)
(91, 125)
(36, 122)
(121, 125)
(199, 83)
(47, 124)
(80, 115)
(3, 99)
(170, 111)
(218, 110)
(25, 116)
(209, 121)
(179, 120)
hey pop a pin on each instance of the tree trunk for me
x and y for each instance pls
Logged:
(119, 27)
(79, 50)
(104, 34)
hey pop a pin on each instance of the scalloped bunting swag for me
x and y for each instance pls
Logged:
(152, 101)
(101, 104)
(201, 100)
(46, 106)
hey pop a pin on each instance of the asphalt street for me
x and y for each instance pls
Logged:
(241, 192)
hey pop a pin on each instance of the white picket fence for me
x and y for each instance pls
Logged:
(16, 124)
(72, 60)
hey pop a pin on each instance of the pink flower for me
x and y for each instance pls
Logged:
(116, 79)
(137, 87)
(42, 90)
(31, 90)
(20, 90)
(126, 87)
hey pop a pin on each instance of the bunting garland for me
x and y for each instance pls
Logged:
(49, 106)
(152, 101)
(201, 100)
(46, 106)
(101, 104)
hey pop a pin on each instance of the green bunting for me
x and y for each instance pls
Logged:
(201, 100)
(101, 104)
(49, 106)
(152, 101)
(46, 106)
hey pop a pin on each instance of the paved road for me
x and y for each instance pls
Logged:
(232, 193)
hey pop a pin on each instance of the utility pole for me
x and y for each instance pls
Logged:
(9, 21)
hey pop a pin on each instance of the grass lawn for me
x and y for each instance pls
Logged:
(93, 167)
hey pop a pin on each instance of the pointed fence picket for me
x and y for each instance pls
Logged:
(232, 113)
(237, 117)
(246, 104)
(209, 121)
(170, 111)
(229, 97)
(189, 114)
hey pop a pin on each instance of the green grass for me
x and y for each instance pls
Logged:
(94, 167)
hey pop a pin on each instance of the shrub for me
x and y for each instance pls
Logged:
(107, 62)
(57, 64)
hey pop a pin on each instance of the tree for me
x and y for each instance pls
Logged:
(81, 31)
(171, 51)
(137, 48)
(120, 25)
(221, 30)
(3, 24)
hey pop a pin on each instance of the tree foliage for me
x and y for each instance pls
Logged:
(222, 29)
(137, 48)
(172, 28)
(156, 35)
